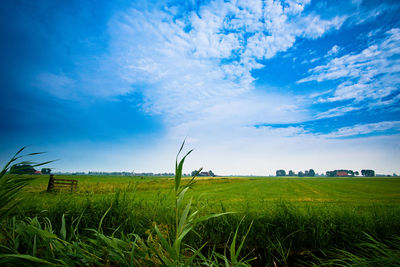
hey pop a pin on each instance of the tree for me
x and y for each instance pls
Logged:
(330, 173)
(300, 174)
(356, 173)
(311, 173)
(46, 170)
(306, 173)
(211, 173)
(291, 173)
(280, 173)
(368, 173)
(22, 169)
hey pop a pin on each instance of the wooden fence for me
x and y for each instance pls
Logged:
(57, 184)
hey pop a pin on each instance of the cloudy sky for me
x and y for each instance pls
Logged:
(254, 86)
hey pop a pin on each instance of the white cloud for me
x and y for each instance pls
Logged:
(361, 129)
(312, 26)
(182, 74)
(334, 50)
(307, 61)
(335, 112)
(364, 15)
(371, 74)
(185, 74)
(319, 94)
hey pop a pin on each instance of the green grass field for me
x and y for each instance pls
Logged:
(292, 218)
(238, 192)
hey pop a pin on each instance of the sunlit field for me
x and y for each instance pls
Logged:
(292, 219)
(235, 192)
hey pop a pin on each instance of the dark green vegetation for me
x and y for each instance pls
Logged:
(368, 172)
(22, 169)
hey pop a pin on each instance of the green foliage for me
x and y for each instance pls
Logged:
(186, 219)
(369, 173)
(31, 241)
(39, 243)
(46, 170)
(280, 173)
(22, 169)
(370, 252)
(233, 258)
(11, 185)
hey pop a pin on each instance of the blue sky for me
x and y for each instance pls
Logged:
(254, 85)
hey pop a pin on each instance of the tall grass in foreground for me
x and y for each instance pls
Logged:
(371, 252)
(171, 253)
(11, 185)
(35, 241)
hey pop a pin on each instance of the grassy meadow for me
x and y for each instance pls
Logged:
(235, 192)
(290, 221)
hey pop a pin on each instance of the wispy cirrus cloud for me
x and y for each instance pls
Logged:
(371, 74)
(335, 112)
(309, 128)
(365, 129)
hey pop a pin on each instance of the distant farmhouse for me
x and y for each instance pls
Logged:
(341, 173)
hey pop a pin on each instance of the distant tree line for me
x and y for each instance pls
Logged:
(368, 173)
(209, 173)
(27, 169)
(97, 173)
(335, 173)
(22, 169)
(307, 173)
(351, 173)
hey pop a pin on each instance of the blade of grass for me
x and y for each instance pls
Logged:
(63, 230)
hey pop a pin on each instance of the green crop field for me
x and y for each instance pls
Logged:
(293, 220)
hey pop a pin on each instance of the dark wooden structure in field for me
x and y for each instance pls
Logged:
(57, 184)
